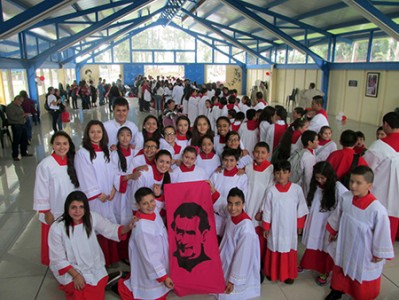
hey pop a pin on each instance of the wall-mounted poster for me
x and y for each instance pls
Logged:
(373, 80)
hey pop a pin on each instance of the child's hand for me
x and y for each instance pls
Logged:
(79, 282)
(229, 288)
(332, 238)
(300, 230)
(245, 152)
(241, 172)
(142, 168)
(178, 162)
(103, 197)
(266, 233)
(135, 175)
(168, 283)
(376, 259)
(211, 185)
(112, 195)
(132, 146)
(258, 216)
(48, 217)
(112, 148)
(157, 190)
(219, 170)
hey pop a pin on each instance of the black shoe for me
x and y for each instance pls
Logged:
(289, 281)
(262, 277)
(27, 155)
(334, 295)
(16, 158)
(125, 261)
(114, 288)
(113, 278)
(269, 278)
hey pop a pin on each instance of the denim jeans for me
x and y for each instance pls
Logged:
(19, 138)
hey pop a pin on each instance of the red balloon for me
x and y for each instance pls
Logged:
(267, 73)
(41, 78)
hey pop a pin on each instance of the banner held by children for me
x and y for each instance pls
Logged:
(195, 265)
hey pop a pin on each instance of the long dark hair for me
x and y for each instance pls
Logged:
(122, 158)
(196, 137)
(80, 197)
(157, 133)
(267, 114)
(70, 156)
(86, 143)
(328, 201)
(285, 143)
(166, 176)
(188, 134)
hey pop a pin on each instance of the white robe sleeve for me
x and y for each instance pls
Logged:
(335, 217)
(308, 161)
(302, 208)
(381, 241)
(86, 174)
(41, 196)
(104, 227)
(267, 206)
(57, 249)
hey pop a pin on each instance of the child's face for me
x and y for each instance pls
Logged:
(202, 126)
(360, 142)
(314, 144)
(95, 134)
(207, 146)
(151, 125)
(320, 179)
(282, 176)
(150, 149)
(381, 134)
(326, 135)
(182, 127)
(147, 204)
(260, 155)
(76, 211)
(189, 159)
(223, 127)
(171, 105)
(233, 142)
(170, 135)
(208, 104)
(359, 186)
(229, 162)
(163, 163)
(295, 115)
(61, 146)
(235, 206)
(304, 127)
(120, 113)
(124, 138)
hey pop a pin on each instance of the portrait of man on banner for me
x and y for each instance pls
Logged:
(193, 245)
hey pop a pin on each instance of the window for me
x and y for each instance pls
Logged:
(164, 57)
(122, 52)
(109, 72)
(220, 57)
(385, 49)
(185, 57)
(142, 56)
(104, 57)
(321, 50)
(215, 73)
(18, 81)
(164, 70)
(355, 52)
(296, 57)
(204, 53)
(7, 94)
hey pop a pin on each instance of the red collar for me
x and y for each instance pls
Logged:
(222, 139)
(310, 150)
(363, 202)
(207, 156)
(295, 136)
(230, 106)
(262, 101)
(252, 124)
(323, 112)
(150, 217)
(184, 169)
(176, 148)
(359, 150)
(230, 173)
(76, 224)
(263, 166)
(219, 105)
(158, 176)
(61, 161)
(141, 152)
(96, 148)
(323, 142)
(235, 127)
(125, 152)
(283, 188)
(239, 218)
(150, 163)
(181, 137)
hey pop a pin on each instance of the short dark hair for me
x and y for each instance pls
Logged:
(120, 101)
(282, 165)
(392, 119)
(360, 134)
(365, 171)
(308, 136)
(262, 145)
(348, 138)
(251, 113)
(142, 192)
(240, 116)
(259, 95)
(318, 99)
(236, 192)
(190, 210)
(231, 152)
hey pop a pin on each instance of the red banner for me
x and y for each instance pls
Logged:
(195, 265)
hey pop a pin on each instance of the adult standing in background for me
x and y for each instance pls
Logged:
(308, 95)
(54, 108)
(101, 91)
(16, 118)
(28, 105)
(74, 94)
(112, 95)
(178, 92)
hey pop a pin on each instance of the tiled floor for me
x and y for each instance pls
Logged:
(22, 276)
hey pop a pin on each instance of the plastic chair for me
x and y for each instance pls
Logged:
(291, 99)
(4, 130)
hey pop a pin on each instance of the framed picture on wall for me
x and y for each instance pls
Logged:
(373, 80)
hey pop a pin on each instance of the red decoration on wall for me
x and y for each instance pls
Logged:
(267, 73)
(41, 78)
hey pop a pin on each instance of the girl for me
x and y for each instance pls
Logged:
(94, 170)
(54, 108)
(76, 259)
(233, 142)
(207, 159)
(223, 127)
(201, 127)
(322, 199)
(216, 111)
(249, 131)
(169, 133)
(326, 145)
(183, 131)
(188, 171)
(155, 177)
(266, 119)
(150, 129)
(284, 212)
(208, 111)
(193, 106)
(245, 104)
(298, 113)
(55, 179)
(240, 263)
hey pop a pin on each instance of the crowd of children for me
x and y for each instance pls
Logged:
(270, 182)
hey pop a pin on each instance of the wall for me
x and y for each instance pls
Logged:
(195, 72)
(234, 78)
(95, 73)
(253, 75)
(131, 71)
(352, 100)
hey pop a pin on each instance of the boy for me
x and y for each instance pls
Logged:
(360, 225)
(342, 160)
(260, 178)
(249, 131)
(275, 132)
(121, 112)
(148, 253)
(240, 263)
(360, 147)
(284, 213)
(320, 119)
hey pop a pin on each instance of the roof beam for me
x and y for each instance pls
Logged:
(237, 6)
(31, 16)
(69, 41)
(375, 16)
(206, 24)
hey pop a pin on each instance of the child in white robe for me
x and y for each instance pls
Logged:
(169, 133)
(324, 193)
(183, 133)
(207, 159)
(326, 145)
(193, 101)
(94, 170)
(188, 171)
(223, 128)
(146, 155)
(233, 141)
(148, 252)
(249, 131)
(360, 226)
(201, 127)
(216, 112)
(76, 259)
(55, 179)
(239, 251)
(284, 214)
